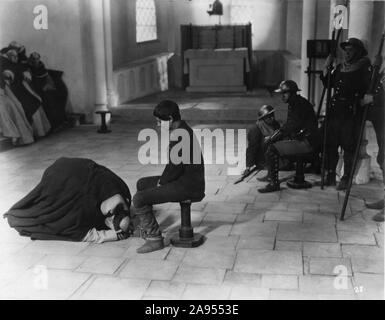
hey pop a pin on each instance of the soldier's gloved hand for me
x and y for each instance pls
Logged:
(27, 76)
(122, 234)
(246, 171)
(367, 99)
(329, 61)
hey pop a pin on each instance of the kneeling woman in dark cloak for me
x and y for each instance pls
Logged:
(76, 200)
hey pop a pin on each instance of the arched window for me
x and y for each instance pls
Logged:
(241, 11)
(145, 21)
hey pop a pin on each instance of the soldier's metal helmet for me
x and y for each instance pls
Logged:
(287, 86)
(355, 43)
(265, 111)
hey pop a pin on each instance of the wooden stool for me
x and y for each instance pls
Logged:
(103, 126)
(186, 237)
(299, 182)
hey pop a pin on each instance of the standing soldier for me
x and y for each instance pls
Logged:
(376, 116)
(350, 81)
(299, 135)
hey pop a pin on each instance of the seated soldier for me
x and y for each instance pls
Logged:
(264, 127)
(180, 180)
(299, 135)
(76, 200)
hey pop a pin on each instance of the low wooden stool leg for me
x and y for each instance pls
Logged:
(186, 237)
(103, 126)
(299, 181)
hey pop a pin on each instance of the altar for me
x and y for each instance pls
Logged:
(216, 58)
(216, 70)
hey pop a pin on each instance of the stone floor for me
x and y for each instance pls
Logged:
(285, 245)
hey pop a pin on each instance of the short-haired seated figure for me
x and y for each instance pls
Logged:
(178, 182)
(263, 127)
(298, 136)
(76, 200)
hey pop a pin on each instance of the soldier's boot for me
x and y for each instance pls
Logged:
(149, 230)
(274, 176)
(348, 167)
(378, 205)
(330, 178)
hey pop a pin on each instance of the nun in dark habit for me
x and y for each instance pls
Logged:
(76, 200)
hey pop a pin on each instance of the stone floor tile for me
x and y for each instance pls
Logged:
(309, 207)
(306, 232)
(265, 229)
(214, 229)
(225, 208)
(250, 216)
(379, 239)
(233, 278)
(367, 265)
(249, 293)
(319, 218)
(149, 269)
(268, 205)
(351, 237)
(279, 294)
(55, 247)
(165, 289)
(241, 198)
(357, 226)
(53, 261)
(327, 266)
(255, 242)
(362, 251)
(10, 273)
(316, 284)
(337, 297)
(176, 254)
(198, 275)
(320, 249)
(109, 288)
(212, 217)
(268, 262)
(369, 286)
(274, 281)
(206, 292)
(100, 265)
(105, 250)
(288, 245)
(22, 259)
(209, 258)
(44, 284)
(276, 215)
(220, 243)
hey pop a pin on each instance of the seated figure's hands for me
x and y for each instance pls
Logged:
(27, 76)
(122, 235)
(367, 99)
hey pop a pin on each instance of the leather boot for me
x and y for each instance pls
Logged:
(343, 184)
(330, 178)
(274, 176)
(149, 230)
(151, 244)
(348, 167)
